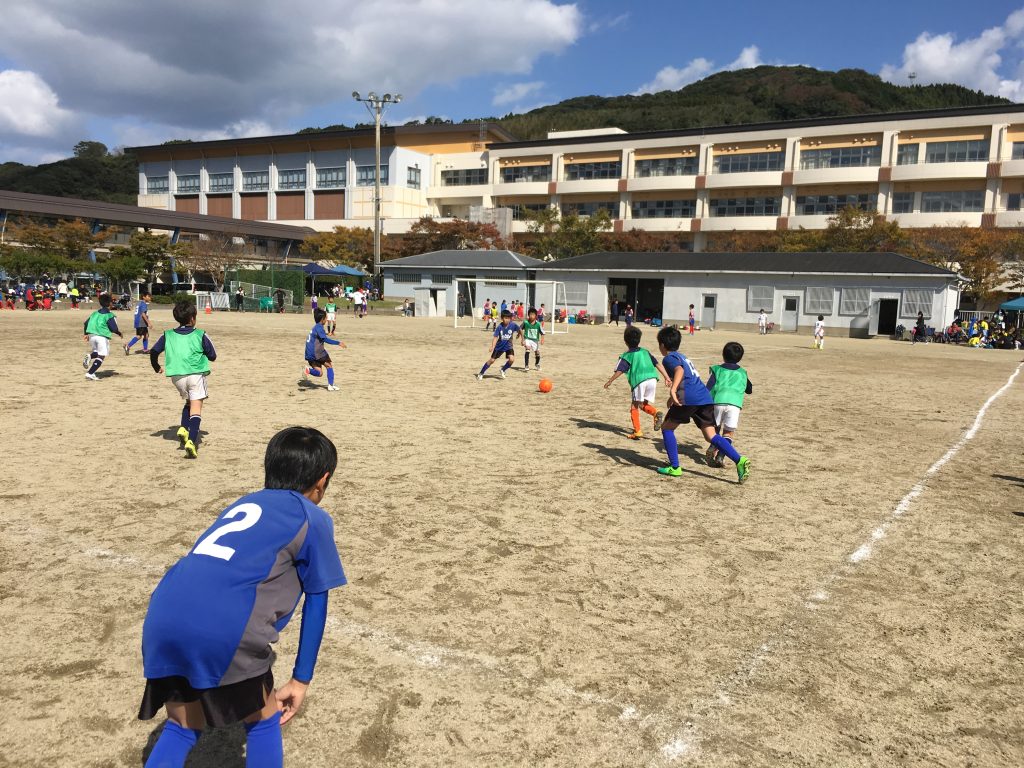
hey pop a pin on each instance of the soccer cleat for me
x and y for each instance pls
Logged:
(635, 435)
(711, 458)
(659, 419)
(190, 449)
(305, 374)
(125, 346)
(92, 377)
(743, 469)
(85, 361)
(671, 471)
(479, 377)
(502, 374)
(182, 434)
(536, 367)
(331, 388)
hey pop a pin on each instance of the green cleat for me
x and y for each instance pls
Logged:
(182, 434)
(190, 449)
(743, 469)
(671, 471)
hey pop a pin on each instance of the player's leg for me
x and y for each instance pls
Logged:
(145, 339)
(330, 376)
(510, 358)
(724, 447)
(264, 747)
(185, 722)
(131, 342)
(100, 350)
(668, 434)
(634, 417)
(486, 365)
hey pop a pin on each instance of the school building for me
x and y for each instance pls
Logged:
(921, 169)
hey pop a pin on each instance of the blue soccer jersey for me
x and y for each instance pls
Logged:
(315, 343)
(691, 390)
(504, 334)
(215, 613)
(140, 309)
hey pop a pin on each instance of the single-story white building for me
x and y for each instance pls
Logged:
(862, 294)
(428, 279)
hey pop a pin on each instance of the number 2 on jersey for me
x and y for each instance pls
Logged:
(208, 545)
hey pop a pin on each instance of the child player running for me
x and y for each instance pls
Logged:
(642, 370)
(316, 354)
(502, 344)
(689, 399)
(533, 338)
(142, 324)
(212, 619)
(728, 383)
(188, 352)
(98, 328)
(332, 316)
(819, 332)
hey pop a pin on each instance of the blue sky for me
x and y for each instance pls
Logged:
(129, 73)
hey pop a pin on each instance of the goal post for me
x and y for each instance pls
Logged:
(471, 293)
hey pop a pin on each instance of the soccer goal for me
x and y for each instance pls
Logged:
(472, 293)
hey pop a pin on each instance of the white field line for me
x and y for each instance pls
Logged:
(685, 742)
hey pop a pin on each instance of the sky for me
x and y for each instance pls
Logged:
(136, 73)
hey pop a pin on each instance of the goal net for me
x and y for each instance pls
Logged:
(472, 293)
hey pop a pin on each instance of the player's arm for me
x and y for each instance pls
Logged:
(711, 380)
(208, 349)
(85, 329)
(314, 618)
(154, 355)
(112, 325)
(620, 369)
(750, 387)
(661, 369)
(673, 387)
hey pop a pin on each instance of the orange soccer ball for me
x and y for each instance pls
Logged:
(545, 385)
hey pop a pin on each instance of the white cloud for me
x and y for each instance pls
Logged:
(515, 93)
(974, 62)
(29, 107)
(673, 78)
(599, 24)
(234, 65)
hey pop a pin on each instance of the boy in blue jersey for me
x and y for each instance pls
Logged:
(316, 355)
(97, 329)
(142, 324)
(642, 370)
(211, 621)
(689, 400)
(502, 344)
(189, 352)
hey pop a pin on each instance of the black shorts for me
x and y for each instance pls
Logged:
(702, 415)
(319, 363)
(222, 706)
(143, 331)
(508, 353)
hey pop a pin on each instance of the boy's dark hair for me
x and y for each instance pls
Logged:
(531, 311)
(184, 312)
(297, 457)
(632, 336)
(732, 352)
(670, 338)
(145, 294)
(105, 300)
(821, 317)
(319, 315)
(505, 314)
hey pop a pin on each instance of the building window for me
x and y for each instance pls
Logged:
(853, 301)
(405, 277)
(917, 300)
(1018, 151)
(957, 151)
(903, 202)
(664, 209)
(330, 178)
(752, 162)
(512, 174)
(745, 206)
(906, 154)
(156, 185)
(505, 280)
(188, 185)
(222, 182)
(816, 205)
(1013, 201)
(464, 177)
(439, 279)
(958, 201)
(591, 208)
(294, 179)
(760, 297)
(364, 176)
(840, 157)
(818, 301)
(522, 212)
(666, 166)
(582, 171)
(255, 181)
(413, 177)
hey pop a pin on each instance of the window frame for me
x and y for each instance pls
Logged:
(323, 174)
(649, 168)
(256, 181)
(734, 163)
(294, 184)
(192, 188)
(766, 302)
(413, 180)
(847, 298)
(813, 305)
(216, 178)
(365, 177)
(158, 185)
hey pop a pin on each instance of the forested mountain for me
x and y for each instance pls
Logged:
(743, 96)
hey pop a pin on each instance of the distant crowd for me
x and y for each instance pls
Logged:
(989, 332)
(44, 294)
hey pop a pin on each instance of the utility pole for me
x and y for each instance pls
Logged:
(375, 104)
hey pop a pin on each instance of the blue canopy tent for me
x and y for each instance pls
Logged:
(1015, 305)
(346, 270)
(314, 270)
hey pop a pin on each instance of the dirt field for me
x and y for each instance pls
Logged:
(524, 588)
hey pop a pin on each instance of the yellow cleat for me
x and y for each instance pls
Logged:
(190, 449)
(182, 434)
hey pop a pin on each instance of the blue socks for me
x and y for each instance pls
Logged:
(671, 447)
(314, 371)
(193, 427)
(486, 366)
(330, 377)
(173, 746)
(186, 412)
(145, 344)
(96, 363)
(725, 447)
(263, 745)
(132, 342)
(507, 365)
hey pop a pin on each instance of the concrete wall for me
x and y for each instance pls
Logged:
(485, 287)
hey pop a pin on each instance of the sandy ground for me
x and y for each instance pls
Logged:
(524, 589)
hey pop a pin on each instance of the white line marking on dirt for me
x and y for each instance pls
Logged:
(685, 741)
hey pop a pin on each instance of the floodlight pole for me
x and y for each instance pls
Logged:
(375, 105)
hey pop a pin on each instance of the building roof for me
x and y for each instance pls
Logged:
(750, 263)
(780, 125)
(147, 218)
(465, 259)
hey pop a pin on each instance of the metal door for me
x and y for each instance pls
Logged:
(873, 318)
(790, 313)
(707, 312)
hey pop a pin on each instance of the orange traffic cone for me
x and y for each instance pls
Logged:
(209, 311)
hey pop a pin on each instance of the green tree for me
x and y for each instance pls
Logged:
(90, 149)
(429, 234)
(212, 255)
(152, 251)
(343, 245)
(852, 230)
(563, 236)
(121, 268)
